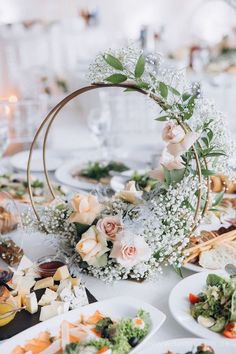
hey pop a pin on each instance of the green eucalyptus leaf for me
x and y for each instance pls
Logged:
(162, 118)
(113, 61)
(216, 153)
(218, 199)
(177, 175)
(186, 96)
(174, 91)
(205, 140)
(163, 89)
(116, 78)
(207, 173)
(167, 176)
(143, 85)
(129, 89)
(81, 228)
(140, 66)
(210, 134)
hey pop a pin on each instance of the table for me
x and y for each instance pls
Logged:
(155, 293)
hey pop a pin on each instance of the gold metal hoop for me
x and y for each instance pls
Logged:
(53, 114)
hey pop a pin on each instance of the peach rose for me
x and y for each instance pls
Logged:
(110, 226)
(178, 149)
(92, 247)
(170, 162)
(130, 193)
(130, 249)
(173, 133)
(86, 209)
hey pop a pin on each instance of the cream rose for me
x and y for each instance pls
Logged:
(110, 226)
(130, 193)
(130, 249)
(178, 149)
(86, 209)
(92, 247)
(173, 133)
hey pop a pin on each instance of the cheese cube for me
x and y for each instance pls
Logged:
(74, 281)
(62, 273)
(55, 309)
(64, 284)
(31, 303)
(44, 283)
(54, 287)
(48, 297)
(24, 264)
(24, 284)
(66, 295)
(18, 300)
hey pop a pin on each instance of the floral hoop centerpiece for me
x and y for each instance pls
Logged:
(135, 233)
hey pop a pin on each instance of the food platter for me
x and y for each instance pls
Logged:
(116, 308)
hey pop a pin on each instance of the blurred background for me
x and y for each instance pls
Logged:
(46, 48)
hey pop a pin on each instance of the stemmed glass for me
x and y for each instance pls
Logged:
(3, 129)
(99, 123)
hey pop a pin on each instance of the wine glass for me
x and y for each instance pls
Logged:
(99, 123)
(3, 128)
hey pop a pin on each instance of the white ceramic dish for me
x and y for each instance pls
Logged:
(115, 308)
(20, 160)
(184, 345)
(64, 174)
(180, 307)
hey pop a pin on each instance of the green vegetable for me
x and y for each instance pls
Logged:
(143, 182)
(219, 325)
(103, 323)
(71, 348)
(97, 170)
(213, 279)
(233, 307)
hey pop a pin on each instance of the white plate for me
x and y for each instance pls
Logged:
(64, 175)
(118, 182)
(194, 267)
(180, 307)
(116, 308)
(184, 345)
(20, 160)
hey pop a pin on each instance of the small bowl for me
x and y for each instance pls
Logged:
(8, 314)
(47, 266)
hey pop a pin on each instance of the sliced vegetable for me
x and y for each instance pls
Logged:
(193, 298)
(230, 330)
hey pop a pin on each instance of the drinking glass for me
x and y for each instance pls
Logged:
(99, 123)
(24, 117)
(3, 129)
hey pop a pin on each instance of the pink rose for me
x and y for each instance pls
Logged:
(178, 149)
(173, 133)
(130, 249)
(170, 162)
(110, 226)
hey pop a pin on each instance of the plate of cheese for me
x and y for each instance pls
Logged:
(42, 298)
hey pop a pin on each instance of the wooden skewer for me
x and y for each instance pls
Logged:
(228, 236)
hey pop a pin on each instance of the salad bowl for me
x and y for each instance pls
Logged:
(180, 306)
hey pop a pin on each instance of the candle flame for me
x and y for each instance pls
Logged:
(12, 99)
